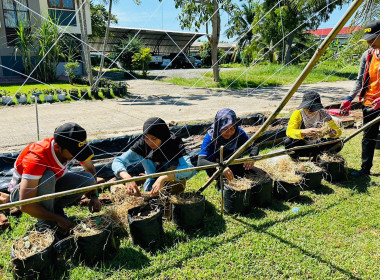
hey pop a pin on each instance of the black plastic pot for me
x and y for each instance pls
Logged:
(378, 142)
(96, 247)
(311, 180)
(145, 232)
(333, 171)
(37, 266)
(189, 216)
(236, 201)
(285, 191)
(261, 194)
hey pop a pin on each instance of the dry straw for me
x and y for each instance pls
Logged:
(331, 157)
(32, 243)
(283, 169)
(308, 166)
(185, 198)
(92, 226)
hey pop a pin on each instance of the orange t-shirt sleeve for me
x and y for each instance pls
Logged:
(33, 166)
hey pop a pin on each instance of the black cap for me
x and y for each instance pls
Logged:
(73, 137)
(372, 30)
(311, 101)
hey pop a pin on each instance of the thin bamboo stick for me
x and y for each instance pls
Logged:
(318, 53)
(221, 182)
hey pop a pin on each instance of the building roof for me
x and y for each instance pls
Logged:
(326, 31)
(159, 41)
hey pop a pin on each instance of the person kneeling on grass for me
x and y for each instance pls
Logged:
(226, 132)
(41, 168)
(157, 150)
(311, 124)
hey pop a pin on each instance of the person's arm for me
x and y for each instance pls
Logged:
(28, 189)
(119, 167)
(337, 132)
(95, 205)
(359, 80)
(293, 130)
(202, 160)
(184, 162)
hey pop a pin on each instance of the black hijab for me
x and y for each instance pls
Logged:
(223, 118)
(171, 148)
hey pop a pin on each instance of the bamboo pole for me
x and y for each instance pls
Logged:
(140, 178)
(371, 123)
(364, 127)
(221, 183)
(318, 53)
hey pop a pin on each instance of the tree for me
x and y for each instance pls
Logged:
(99, 19)
(84, 36)
(106, 39)
(141, 60)
(285, 21)
(239, 25)
(205, 53)
(128, 47)
(198, 12)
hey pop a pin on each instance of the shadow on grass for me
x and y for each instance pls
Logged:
(278, 206)
(359, 184)
(263, 228)
(303, 199)
(323, 190)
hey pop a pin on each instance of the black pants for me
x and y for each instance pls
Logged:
(369, 137)
(310, 152)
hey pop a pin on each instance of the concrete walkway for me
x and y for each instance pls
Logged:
(110, 118)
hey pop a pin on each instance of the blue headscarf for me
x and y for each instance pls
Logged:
(223, 118)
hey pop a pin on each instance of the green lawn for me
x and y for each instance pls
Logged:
(261, 75)
(13, 88)
(335, 235)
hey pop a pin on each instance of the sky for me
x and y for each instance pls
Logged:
(152, 14)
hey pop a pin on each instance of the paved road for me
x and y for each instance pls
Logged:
(116, 117)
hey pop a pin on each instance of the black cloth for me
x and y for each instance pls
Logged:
(171, 148)
(310, 152)
(369, 137)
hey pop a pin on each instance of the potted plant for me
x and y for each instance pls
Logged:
(21, 98)
(61, 95)
(7, 100)
(48, 97)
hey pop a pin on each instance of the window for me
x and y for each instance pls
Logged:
(15, 14)
(62, 12)
(62, 4)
